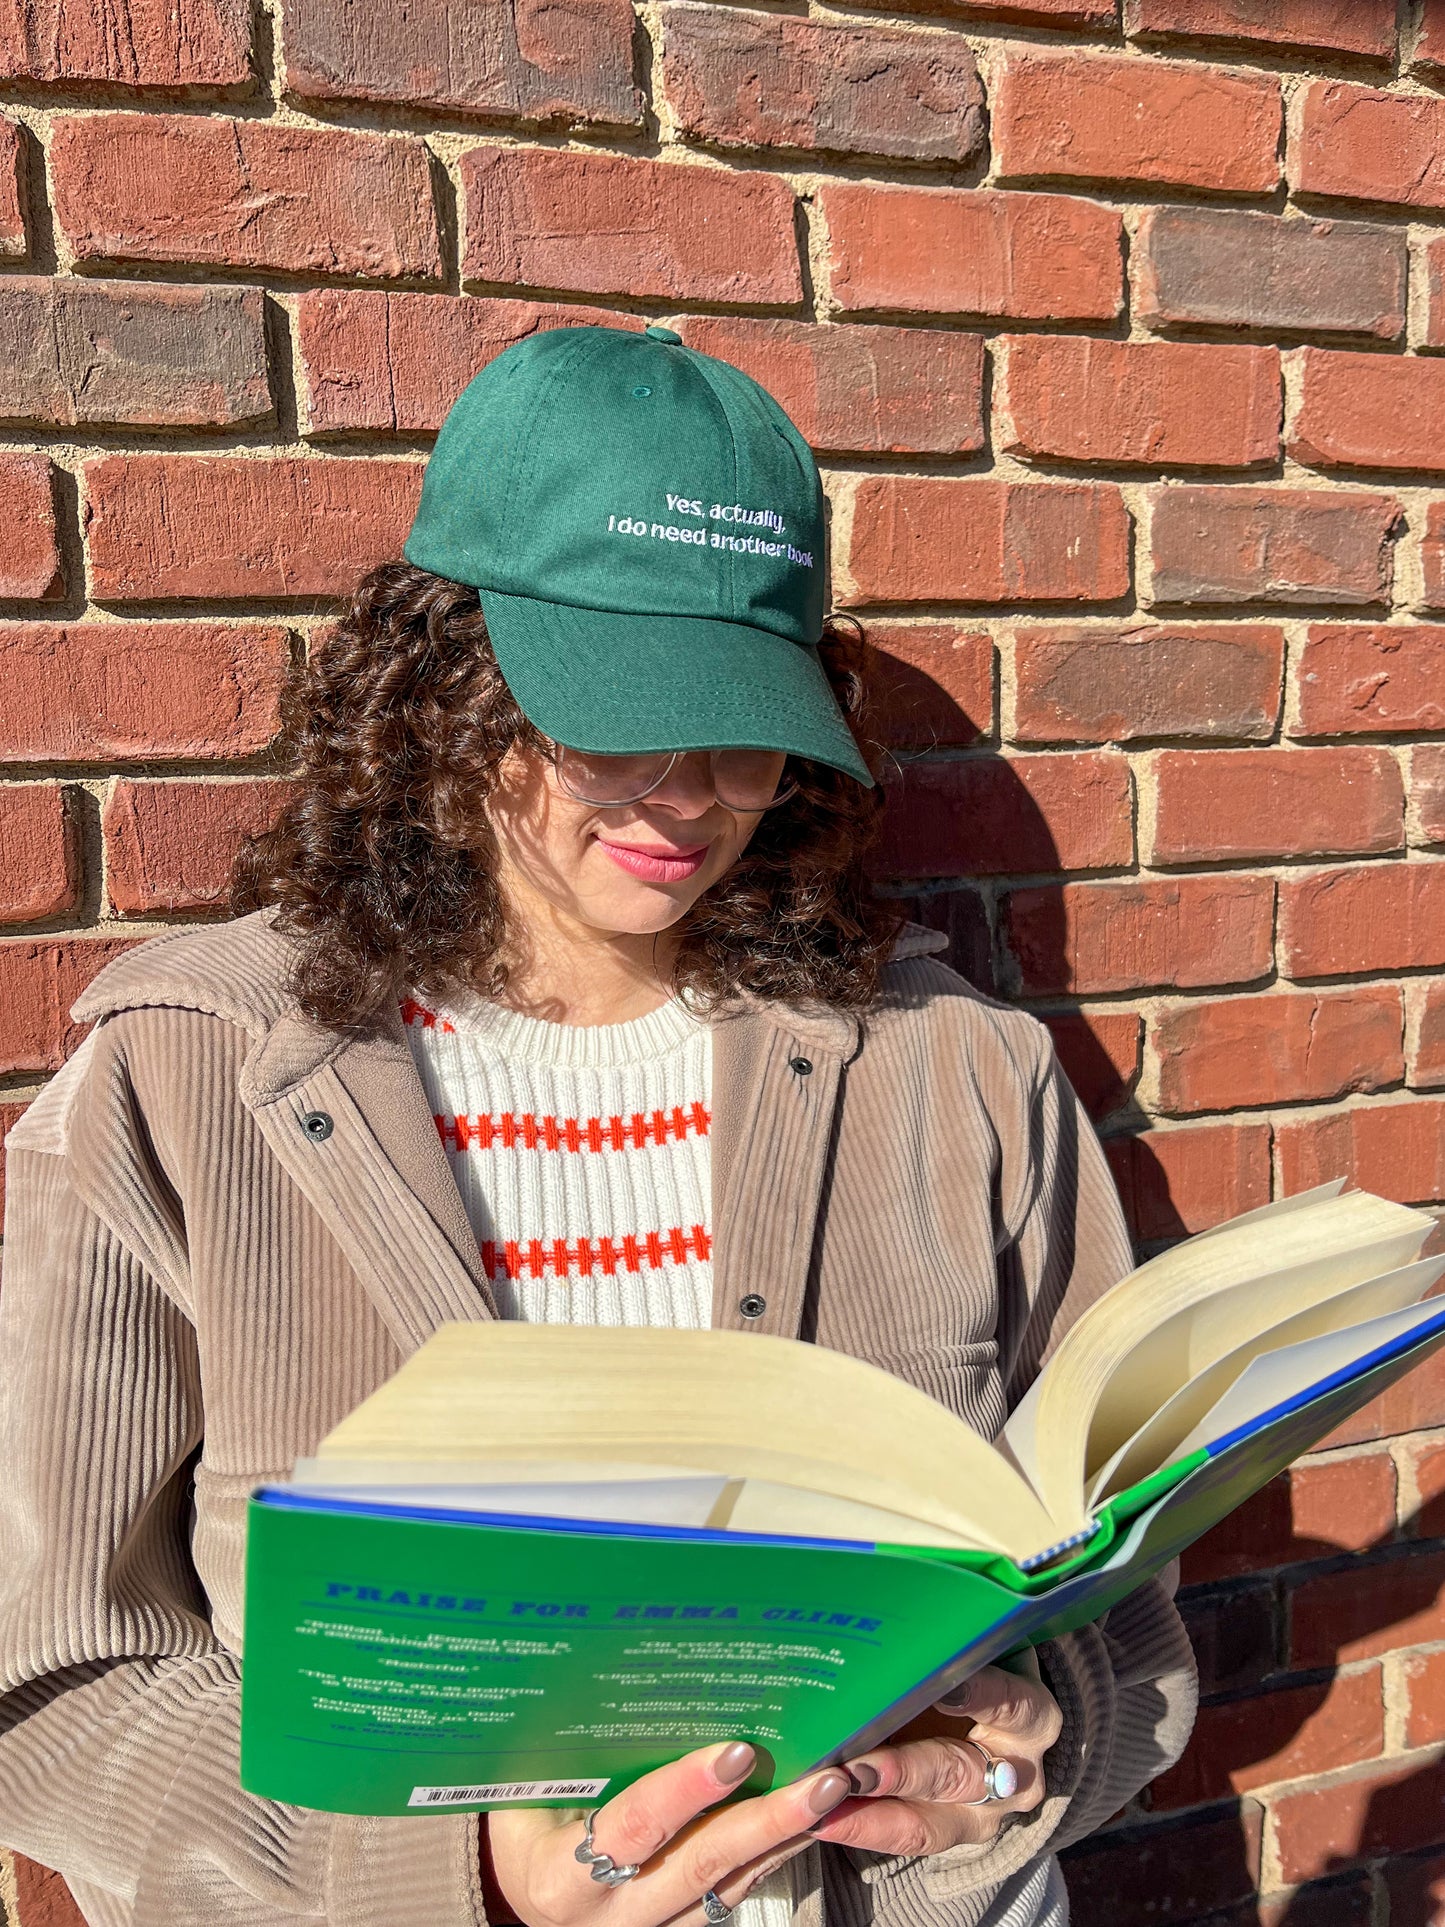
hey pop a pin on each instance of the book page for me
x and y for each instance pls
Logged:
(735, 1403)
(1050, 1432)
(1156, 1443)
(1277, 1377)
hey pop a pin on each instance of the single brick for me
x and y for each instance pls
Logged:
(78, 351)
(1373, 678)
(1271, 545)
(1426, 1462)
(93, 692)
(42, 1897)
(39, 861)
(1362, 27)
(1160, 404)
(1108, 117)
(1427, 791)
(170, 845)
(29, 557)
(143, 43)
(1184, 1870)
(1234, 268)
(1369, 411)
(1174, 1182)
(1022, 13)
(1218, 803)
(609, 224)
(1374, 917)
(1395, 1149)
(1317, 1508)
(978, 539)
(1361, 1818)
(1427, 1039)
(1094, 938)
(931, 683)
(1368, 1609)
(228, 525)
(773, 80)
(1432, 555)
(1232, 1632)
(1024, 816)
(862, 390)
(1434, 257)
(1423, 1677)
(1281, 1047)
(1289, 1734)
(12, 192)
(1128, 683)
(1102, 1053)
(1364, 144)
(244, 194)
(39, 981)
(373, 360)
(501, 59)
(931, 250)
(1430, 45)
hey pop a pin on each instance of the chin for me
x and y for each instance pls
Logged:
(643, 913)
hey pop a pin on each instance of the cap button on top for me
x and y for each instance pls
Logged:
(658, 333)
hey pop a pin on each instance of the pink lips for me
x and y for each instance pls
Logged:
(655, 865)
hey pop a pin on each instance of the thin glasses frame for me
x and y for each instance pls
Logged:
(560, 751)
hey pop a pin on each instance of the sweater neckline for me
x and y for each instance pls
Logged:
(520, 1038)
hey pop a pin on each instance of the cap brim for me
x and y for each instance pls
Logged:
(615, 683)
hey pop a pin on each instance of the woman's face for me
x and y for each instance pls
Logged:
(633, 869)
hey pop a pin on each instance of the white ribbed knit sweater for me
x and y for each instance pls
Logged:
(582, 1155)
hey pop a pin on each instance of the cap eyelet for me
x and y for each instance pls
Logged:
(317, 1125)
(639, 394)
(800, 1066)
(752, 1306)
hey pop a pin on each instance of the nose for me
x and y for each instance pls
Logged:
(688, 788)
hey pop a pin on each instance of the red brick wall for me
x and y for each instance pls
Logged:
(1115, 323)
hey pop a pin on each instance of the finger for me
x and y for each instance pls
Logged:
(910, 1828)
(734, 1890)
(640, 1820)
(1005, 1704)
(951, 1771)
(708, 1854)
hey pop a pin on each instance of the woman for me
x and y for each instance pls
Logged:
(559, 994)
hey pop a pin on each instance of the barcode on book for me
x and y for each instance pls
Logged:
(499, 1792)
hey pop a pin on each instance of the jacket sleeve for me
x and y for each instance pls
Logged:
(119, 1707)
(1127, 1685)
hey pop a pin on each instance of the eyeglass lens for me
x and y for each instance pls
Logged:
(744, 779)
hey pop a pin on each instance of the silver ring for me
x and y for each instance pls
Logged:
(716, 1910)
(602, 1867)
(1000, 1777)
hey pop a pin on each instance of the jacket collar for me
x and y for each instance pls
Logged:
(380, 1179)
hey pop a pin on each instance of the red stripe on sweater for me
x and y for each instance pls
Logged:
(420, 1018)
(561, 1257)
(514, 1130)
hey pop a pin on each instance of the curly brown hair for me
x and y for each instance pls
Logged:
(381, 867)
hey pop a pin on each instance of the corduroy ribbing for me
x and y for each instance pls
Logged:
(189, 1270)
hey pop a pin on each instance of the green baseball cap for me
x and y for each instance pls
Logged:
(645, 528)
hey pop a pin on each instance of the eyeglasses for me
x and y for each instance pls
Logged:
(742, 779)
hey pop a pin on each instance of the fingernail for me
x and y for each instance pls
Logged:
(828, 1791)
(865, 1777)
(958, 1695)
(734, 1763)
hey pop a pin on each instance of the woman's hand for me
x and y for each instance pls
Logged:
(661, 1823)
(917, 1791)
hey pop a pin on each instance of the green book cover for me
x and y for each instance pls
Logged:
(400, 1660)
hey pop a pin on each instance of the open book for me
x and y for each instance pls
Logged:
(771, 1498)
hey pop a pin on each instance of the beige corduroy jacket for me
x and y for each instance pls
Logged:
(196, 1288)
